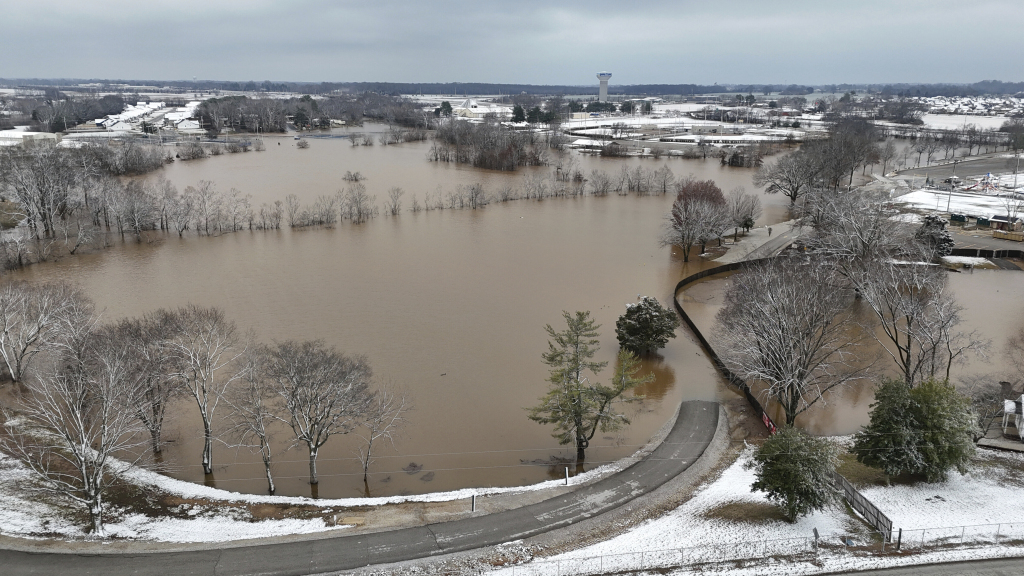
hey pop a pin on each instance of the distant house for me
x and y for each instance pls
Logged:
(25, 138)
(1006, 223)
(187, 124)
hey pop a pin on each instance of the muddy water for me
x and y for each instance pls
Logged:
(448, 305)
(991, 301)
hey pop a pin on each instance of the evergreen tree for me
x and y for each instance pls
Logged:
(944, 417)
(518, 115)
(890, 439)
(795, 470)
(575, 405)
(646, 326)
(933, 236)
(927, 430)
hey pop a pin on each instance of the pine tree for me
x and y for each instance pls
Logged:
(575, 405)
(646, 326)
(795, 470)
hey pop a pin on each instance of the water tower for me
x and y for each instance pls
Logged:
(602, 95)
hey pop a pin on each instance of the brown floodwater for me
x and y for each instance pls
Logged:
(448, 305)
(992, 305)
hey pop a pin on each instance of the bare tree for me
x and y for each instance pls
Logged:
(600, 183)
(358, 205)
(292, 208)
(393, 205)
(324, 391)
(385, 416)
(887, 155)
(792, 176)
(854, 229)
(786, 324)
(31, 318)
(74, 419)
(663, 180)
(744, 209)
(202, 349)
(698, 215)
(253, 407)
(150, 369)
(917, 320)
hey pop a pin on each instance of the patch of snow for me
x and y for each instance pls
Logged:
(982, 496)
(972, 260)
(957, 203)
(217, 529)
(189, 490)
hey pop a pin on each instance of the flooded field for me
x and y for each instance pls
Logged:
(448, 305)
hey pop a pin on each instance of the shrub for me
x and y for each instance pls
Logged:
(926, 430)
(795, 470)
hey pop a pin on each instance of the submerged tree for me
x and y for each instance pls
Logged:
(646, 326)
(786, 323)
(384, 417)
(254, 407)
(202, 350)
(324, 392)
(575, 405)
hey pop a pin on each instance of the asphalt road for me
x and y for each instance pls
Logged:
(1002, 567)
(994, 163)
(689, 437)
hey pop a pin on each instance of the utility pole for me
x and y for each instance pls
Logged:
(952, 183)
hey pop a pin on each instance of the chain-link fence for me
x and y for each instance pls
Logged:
(665, 559)
(979, 534)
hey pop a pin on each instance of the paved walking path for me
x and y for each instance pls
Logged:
(685, 443)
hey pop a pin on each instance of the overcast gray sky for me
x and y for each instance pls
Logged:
(522, 41)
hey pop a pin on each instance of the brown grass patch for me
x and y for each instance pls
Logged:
(858, 474)
(748, 512)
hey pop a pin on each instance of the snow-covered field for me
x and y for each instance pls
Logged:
(958, 121)
(990, 493)
(959, 203)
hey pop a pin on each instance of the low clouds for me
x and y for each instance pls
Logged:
(528, 41)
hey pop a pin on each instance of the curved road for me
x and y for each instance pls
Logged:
(690, 436)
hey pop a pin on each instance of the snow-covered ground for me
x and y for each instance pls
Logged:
(958, 121)
(708, 520)
(968, 260)
(222, 517)
(713, 526)
(957, 202)
(26, 515)
(988, 494)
